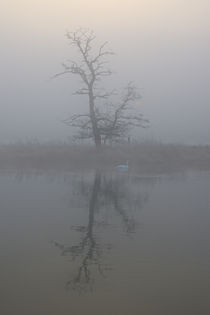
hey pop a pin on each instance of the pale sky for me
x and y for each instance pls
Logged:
(163, 46)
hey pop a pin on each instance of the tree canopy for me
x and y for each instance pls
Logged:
(106, 120)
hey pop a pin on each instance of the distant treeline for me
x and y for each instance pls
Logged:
(144, 158)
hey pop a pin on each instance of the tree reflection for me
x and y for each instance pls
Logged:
(105, 194)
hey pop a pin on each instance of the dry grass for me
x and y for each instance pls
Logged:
(144, 158)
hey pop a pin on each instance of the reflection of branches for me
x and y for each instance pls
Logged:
(111, 192)
(87, 248)
(105, 194)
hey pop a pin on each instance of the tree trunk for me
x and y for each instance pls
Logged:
(96, 133)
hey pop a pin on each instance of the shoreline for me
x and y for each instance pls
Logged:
(143, 158)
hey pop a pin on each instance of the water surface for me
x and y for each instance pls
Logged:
(105, 243)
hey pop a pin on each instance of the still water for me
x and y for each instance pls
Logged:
(105, 244)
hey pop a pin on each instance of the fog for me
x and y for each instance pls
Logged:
(120, 226)
(163, 46)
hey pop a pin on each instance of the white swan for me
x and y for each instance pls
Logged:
(123, 166)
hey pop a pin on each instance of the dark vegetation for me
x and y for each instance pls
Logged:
(143, 158)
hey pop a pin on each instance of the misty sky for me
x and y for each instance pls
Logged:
(163, 46)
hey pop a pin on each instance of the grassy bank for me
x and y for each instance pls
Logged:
(145, 158)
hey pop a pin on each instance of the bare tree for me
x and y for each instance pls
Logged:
(104, 119)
